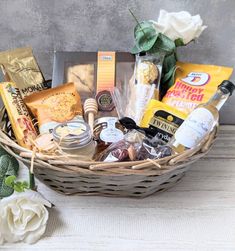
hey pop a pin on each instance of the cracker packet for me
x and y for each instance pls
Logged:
(20, 66)
(195, 84)
(18, 114)
(54, 106)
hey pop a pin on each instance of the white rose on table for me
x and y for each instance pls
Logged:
(23, 217)
(1, 238)
(179, 25)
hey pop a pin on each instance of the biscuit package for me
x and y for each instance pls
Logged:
(20, 119)
(83, 77)
(195, 84)
(54, 106)
(20, 66)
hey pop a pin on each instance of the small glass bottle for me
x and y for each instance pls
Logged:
(107, 130)
(201, 120)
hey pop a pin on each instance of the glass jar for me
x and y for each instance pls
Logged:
(107, 130)
(75, 138)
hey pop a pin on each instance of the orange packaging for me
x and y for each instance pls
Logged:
(54, 106)
(195, 84)
(18, 114)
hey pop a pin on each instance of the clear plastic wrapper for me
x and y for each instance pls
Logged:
(131, 101)
(135, 146)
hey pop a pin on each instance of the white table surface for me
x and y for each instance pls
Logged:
(196, 214)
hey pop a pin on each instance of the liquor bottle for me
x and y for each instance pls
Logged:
(201, 120)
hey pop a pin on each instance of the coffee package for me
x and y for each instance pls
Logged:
(20, 66)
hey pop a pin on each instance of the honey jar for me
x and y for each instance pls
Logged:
(107, 130)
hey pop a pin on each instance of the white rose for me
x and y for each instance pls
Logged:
(180, 25)
(23, 217)
(1, 236)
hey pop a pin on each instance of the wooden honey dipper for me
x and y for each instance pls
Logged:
(90, 109)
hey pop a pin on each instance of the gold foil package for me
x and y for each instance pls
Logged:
(20, 119)
(20, 67)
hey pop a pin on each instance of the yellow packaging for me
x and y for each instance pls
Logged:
(163, 118)
(54, 106)
(20, 119)
(195, 84)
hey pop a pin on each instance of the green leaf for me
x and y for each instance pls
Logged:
(25, 184)
(8, 166)
(179, 42)
(168, 75)
(9, 181)
(18, 188)
(163, 44)
(135, 50)
(18, 185)
(169, 62)
(168, 70)
(145, 37)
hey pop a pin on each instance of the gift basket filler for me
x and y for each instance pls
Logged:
(111, 123)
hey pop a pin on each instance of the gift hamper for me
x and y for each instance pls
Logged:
(108, 129)
(128, 179)
(113, 123)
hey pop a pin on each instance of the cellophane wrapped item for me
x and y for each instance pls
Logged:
(144, 85)
(135, 146)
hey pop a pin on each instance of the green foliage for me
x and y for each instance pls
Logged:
(179, 42)
(18, 186)
(145, 37)
(8, 166)
(148, 39)
(164, 45)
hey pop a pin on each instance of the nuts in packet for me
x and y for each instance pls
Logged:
(18, 114)
(195, 84)
(54, 106)
(20, 66)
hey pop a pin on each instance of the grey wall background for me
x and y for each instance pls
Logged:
(91, 25)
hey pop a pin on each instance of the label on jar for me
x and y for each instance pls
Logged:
(198, 124)
(111, 158)
(105, 101)
(111, 133)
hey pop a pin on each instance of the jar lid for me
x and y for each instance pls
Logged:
(72, 133)
(105, 120)
(105, 101)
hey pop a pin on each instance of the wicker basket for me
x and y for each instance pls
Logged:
(126, 179)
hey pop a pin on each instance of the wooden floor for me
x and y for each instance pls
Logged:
(196, 214)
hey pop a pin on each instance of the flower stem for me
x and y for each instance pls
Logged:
(31, 174)
(138, 23)
(31, 181)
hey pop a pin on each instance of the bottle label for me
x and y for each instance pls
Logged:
(195, 127)
(111, 133)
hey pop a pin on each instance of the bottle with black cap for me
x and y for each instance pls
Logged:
(201, 120)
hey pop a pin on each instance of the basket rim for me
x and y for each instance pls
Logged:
(52, 162)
